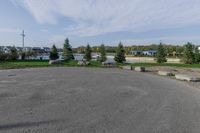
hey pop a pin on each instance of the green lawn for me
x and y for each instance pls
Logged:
(22, 64)
(38, 63)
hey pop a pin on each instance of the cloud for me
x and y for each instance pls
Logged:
(165, 39)
(56, 38)
(10, 30)
(45, 30)
(95, 17)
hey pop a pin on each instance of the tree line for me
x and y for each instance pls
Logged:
(171, 50)
(68, 52)
(12, 55)
(189, 52)
(190, 55)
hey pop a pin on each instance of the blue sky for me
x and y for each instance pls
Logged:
(134, 22)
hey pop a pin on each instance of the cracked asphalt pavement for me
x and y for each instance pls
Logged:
(95, 100)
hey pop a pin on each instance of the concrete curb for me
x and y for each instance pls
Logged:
(185, 77)
(139, 69)
(165, 73)
(127, 67)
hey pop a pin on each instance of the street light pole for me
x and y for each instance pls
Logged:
(23, 36)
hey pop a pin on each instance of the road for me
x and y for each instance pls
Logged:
(95, 100)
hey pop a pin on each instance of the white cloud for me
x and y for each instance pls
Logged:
(94, 17)
(165, 39)
(10, 30)
(45, 30)
(56, 38)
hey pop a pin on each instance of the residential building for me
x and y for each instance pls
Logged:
(150, 52)
(136, 52)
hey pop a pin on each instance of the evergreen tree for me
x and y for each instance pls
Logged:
(88, 52)
(103, 53)
(2, 55)
(161, 55)
(188, 54)
(120, 54)
(54, 53)
(67, 51)
(197, 55)
(13, 55)
(23, 55)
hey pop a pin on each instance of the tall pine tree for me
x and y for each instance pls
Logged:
(103, 53)
(120, 54)
(54, 53)
(161, 55)
(188, 54)
(13, 55)
(67, 51)
(2, 55)
(88, 53)
(197, 55)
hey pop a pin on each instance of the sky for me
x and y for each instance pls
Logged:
(133, 22)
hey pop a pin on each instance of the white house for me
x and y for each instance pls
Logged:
(150, 52)
(46, 49)
(6, 49)
(136, 52)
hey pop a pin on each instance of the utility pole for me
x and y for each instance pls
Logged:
(23, 36)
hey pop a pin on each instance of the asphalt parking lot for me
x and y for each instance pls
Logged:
(95, 100)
